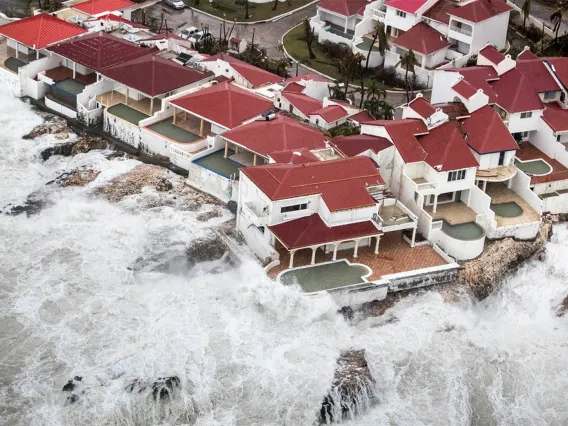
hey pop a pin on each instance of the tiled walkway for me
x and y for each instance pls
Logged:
(454, 213)
(530, 152)
(500, 194)
(395, 255)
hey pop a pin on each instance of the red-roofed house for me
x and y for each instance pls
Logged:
(244, 74)
(312, 85)
(430, 47)
(336, 20)
(328, 205)
(296, 103)
(100, 7)
(329, 117)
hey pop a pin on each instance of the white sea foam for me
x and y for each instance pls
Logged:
(247, 350)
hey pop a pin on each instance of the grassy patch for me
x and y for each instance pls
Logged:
(231, 11)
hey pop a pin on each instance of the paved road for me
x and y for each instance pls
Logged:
(267, 35)
(542, 12)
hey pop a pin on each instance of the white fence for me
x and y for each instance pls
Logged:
(212, 183)
(521, 185)
(60, 108)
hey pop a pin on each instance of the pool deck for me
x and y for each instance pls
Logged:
(174, 132)
(113, 97)
(454, 213)
(220, 165)
(500, 194)
(530, 152)
(395, 255)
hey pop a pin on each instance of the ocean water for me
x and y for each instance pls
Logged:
(247, 351)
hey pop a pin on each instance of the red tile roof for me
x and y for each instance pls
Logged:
(281, 134)
(492, 54)
(362, 117)
(556, 118)
(312, 230)
(305, 104)
(331, 113)
(526, 55)
(439, 12)
(341, 183)
(40, 30)
(98, 51)
(297, 156)
(410, 6)
(464, 89)
(154, 75)
(423, 39)
(255, 76)
(486, 132)
(94, 7)
(344, 7)
(479, 77)
(308, 76)
(445, 147)
(480, 10)
(515, 93)
(113, 17)
(403, 134)
(538, 74)
(353, 145)
(238, 105)
(422, 107)
(560, 68)
(293, 88)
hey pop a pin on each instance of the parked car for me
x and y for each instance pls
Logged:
(199, 36)
(188, 32)
(176, 4)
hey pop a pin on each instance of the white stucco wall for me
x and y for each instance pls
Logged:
(517, 124)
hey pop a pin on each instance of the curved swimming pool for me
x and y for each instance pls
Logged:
(464, 231)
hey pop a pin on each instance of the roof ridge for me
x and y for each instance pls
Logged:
(332, 181)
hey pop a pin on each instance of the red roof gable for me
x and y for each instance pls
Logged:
(154, 75)
(254, 75)
(538, 74)
(353, 145)
(281, 134)
(40, 30)
(560, 68)
(297, 156)
(362, 117)
(341, 183)
(344, 7)
(238, 105)
(445, 147)
(98, 51)
(331, 113)
(403, 134)
(464, 89)
(439, 12)
(422, 39)
(303, 103)
(556, 118)
(480, 10)
(526, 55)
(293, 88)
(479, 77)
(422, 107)
(410, 6)
(515, 93)
(486, 132)
(312, 230)
(492, 54)
(113, 17)
(94, 7)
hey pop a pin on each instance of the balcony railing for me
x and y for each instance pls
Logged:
(461, 30)
(377, 14)
(426, 186)
(258, 216)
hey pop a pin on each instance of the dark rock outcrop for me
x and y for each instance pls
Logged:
(563, 307)
(204, 217)
(162, 388)
(69, 386)
(206, 250)
(79, 146)
(33, 205)
(76, 178)
(64, 149)
(351, 390)
(52, 125)
(144, 175)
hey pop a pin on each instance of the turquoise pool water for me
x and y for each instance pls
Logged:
(325, 277)
(534, 167)
(464, 231)
(511, 209)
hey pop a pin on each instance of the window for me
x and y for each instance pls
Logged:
(294, 208)
(549, 95)
(401, 13)
(291, 108)
(456, 175)
(526, 114)
(501, 158)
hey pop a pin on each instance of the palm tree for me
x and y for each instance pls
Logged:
(556, 19)
(348, 66)
(376, 90)
(380, 35)
(336, 91)
(408, 61)
(526, 9)
(309, 36)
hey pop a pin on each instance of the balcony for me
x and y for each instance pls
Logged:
(497, 174)
(395, 216)
(461, 30)
(378, 14)
(424, 187)
(255, 214)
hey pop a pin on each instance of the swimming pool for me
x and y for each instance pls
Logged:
(534, 167)
(325, 276)
(464, 231)
(510, 209)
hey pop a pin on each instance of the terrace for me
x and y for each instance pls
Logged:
(509, 207)
(63, 73)
(146, 105)
(127, 113)
(539, 166)
(173, 132)
(220, 165)
(395, 256)
(454, 213)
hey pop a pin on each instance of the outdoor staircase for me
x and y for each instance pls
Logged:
(376, 192)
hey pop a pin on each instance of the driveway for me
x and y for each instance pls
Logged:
(267, 35)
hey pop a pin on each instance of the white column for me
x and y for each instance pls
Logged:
(413, 236)
(509, 183)
(314, 250)
(335, 252)
(484, 186)
(17, 50)
(435, 204)
(377, 244)
(37, 54)
(74, 69)
(356, 247)
(291, 265)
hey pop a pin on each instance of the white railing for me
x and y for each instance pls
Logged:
(426, 186)
(42, 77)
(462, 30)
(257, 217)
(377, 14)
(437, 224)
